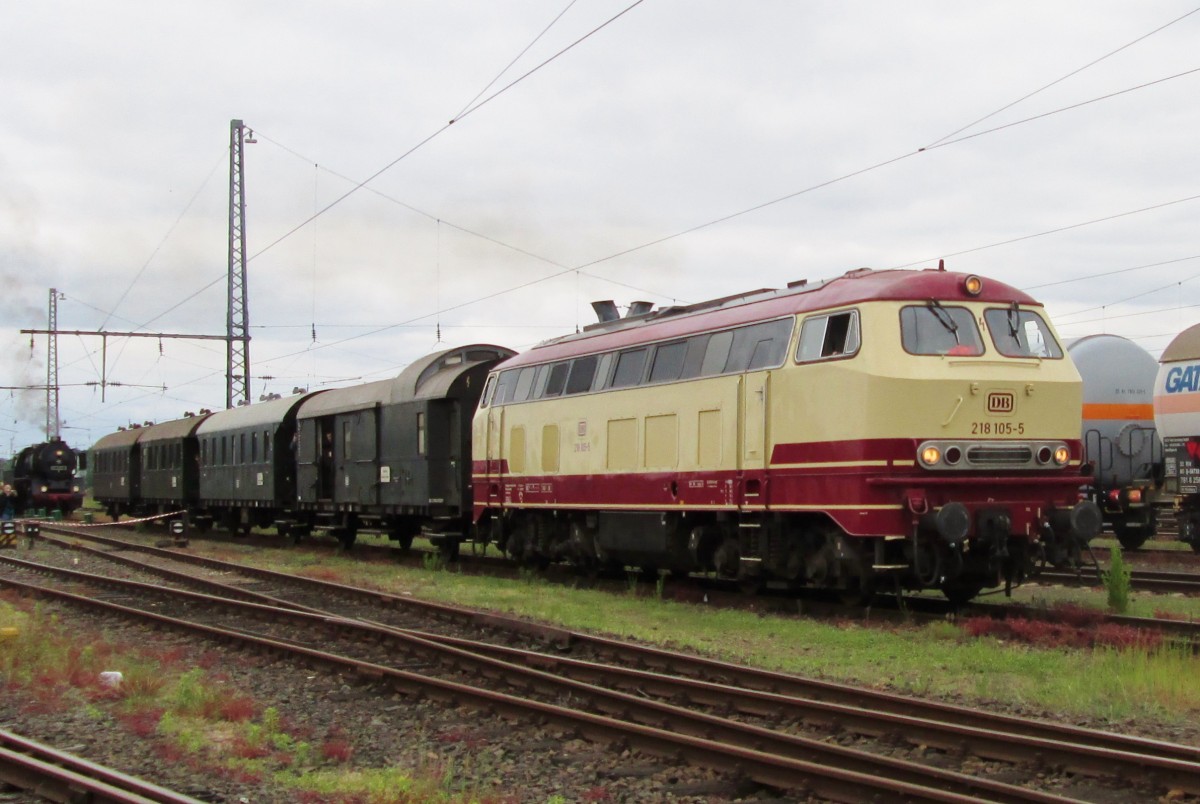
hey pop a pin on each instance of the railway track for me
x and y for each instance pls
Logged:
(749, 693)
(59, 776)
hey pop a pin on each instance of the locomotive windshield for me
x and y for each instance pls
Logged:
(1021, 333)
(933, 329)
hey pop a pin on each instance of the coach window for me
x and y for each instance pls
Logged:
(242, 449)
(827, 336)
(266, 446)
(420, 433)
(668, 361)
(204, 452)
(932, 329)
(629, 368)
(254, 447)
(347, 440)
(583, 370)
(224, 450)
(1021, 333)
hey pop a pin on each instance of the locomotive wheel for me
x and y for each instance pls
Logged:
(961, 592)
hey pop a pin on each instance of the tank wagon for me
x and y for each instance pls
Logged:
(44, 476)
(915, 429)
(1177, 417)
(392, 455)
(1120, 441)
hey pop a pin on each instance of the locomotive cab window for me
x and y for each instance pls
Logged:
(1021, 333)
(933, 329)
(828, 336)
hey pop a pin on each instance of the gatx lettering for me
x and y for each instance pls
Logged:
(1180, 379)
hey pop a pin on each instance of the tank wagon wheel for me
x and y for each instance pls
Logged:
(1130, 538)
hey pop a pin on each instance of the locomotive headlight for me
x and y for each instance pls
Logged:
(973, 285)
(1062, 455)
(45, 489)
(930, 456)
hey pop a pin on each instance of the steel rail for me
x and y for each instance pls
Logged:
(832, 782)
(528, 669)
(58, 776)
(714, 670)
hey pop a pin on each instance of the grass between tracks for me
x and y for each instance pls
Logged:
(1071, 667)
(188, 712)
(1118, 681)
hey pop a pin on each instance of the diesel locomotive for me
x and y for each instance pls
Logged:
(885, 429)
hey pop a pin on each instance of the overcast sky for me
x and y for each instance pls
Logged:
(668, 151)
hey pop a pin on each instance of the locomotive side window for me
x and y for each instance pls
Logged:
(693, 362)
(558, 378)
(606, 361)
(716, 355)
(488, 388)
(826, 336)
(629, 368)
(668, 361)
(932, 329)
(524, 384)
(583, 370)
(1021, 333)
(759, 346)
(505, 386)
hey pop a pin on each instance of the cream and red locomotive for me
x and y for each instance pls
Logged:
(916, 429)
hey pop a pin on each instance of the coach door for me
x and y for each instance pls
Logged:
(752, 433)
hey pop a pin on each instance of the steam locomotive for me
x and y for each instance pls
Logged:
(44, 476)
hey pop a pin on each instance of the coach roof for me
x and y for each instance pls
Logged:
(854, 287)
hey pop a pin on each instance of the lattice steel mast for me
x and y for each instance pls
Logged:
(52, 432)
(237, 329)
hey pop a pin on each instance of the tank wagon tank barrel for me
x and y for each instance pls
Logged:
(1177, 417)
(1120, 440)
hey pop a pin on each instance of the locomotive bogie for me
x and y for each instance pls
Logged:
(806, 460)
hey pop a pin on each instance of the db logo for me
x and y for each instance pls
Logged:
(1001, 402)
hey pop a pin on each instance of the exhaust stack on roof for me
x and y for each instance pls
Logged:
(606, 310)
(638, 308)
